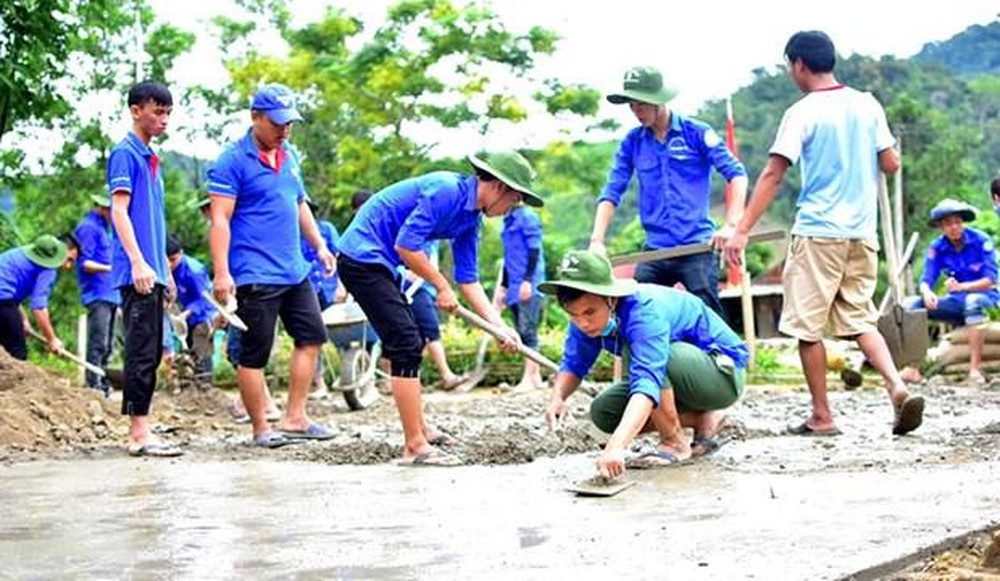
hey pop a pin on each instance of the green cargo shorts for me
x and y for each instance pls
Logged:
(700, 382)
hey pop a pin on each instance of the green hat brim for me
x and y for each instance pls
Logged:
(660, 97)
(619, 288)
(530, 197)
(46, 262)
(100, 200)
(966, 215)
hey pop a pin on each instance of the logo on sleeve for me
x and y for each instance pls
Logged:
(711, 138)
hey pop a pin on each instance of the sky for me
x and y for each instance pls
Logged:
(706, 50)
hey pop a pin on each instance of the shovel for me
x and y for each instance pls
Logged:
(70, 357)
(481, 323)
(478, 372)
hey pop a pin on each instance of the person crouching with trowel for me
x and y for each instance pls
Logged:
(393, 229)
(684, 363)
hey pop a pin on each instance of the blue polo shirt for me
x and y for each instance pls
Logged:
(324, 286)
(648, 322)
(265, 247)
(522, 231)
(134, 168)
(191, 279)
(95, 244)
(674, 179)
(21, 278)
(437, 206)
(974, 261)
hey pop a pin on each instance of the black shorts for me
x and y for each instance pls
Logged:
(376, 289)
(260, 305)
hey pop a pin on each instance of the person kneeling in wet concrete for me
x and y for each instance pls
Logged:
(968, 257)
(685, 364)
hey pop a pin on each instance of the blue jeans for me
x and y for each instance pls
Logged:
(526, 320)
(958, 308)
(699, 273)
(100, 325)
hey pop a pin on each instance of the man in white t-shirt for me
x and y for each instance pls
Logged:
(842, 139)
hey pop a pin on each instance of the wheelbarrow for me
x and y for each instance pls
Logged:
(358, 348)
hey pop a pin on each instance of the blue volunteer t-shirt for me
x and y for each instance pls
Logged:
(325, 287)
(648, 322)
(522, 231)
(134, 168)
(437, 206)
(674, 179)
(95, 245)
(976, 260)
(265, 247)
(191, 279)
(21, 278)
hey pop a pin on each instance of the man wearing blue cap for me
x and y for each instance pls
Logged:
(29, 272)
(97, 291)
(673, 157)
(393, 229)
(259, 213)
(968, 258)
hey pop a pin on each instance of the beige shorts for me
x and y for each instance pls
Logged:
(829, 280)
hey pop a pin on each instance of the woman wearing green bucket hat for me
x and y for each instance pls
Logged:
(29, 272)
(684, 363)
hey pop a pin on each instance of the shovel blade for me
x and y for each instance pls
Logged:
(598, 486)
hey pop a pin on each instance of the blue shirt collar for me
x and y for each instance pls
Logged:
(138, 144)
(471, 186)
(675, 125)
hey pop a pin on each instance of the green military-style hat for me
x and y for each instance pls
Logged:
(101, 200)
(588, 272)
(644, 84)
(511, 168)
(46, 251)
(948, 207)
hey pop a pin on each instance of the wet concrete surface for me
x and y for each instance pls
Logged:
(113, 518)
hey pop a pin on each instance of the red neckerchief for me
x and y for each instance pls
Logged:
(279, 158)
(831, 88)
(154, 163)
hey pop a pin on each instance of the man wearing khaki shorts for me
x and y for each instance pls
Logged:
(843, 139)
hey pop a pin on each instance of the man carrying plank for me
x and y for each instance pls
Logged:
(673, 157)
(684, 363)
(29, 272)
(393, 229)
(843, 139)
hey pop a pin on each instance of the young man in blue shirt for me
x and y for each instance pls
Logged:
(673, 157)
(523, 270)
(139, 257)
(843, 139)
(392, 229)
(684, 363)
(259, 214)
(97, 291)
(192, 281)
(968, 258)
(29, 272)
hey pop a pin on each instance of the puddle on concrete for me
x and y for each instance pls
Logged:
(265, 519)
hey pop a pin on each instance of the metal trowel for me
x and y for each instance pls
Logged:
(600, 486)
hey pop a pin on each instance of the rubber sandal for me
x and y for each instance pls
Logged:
(436, 458)
(909, 416)
(155, 449)
(272, 440)
(653, 459)
(313, 432)
(444, 440)
(804, 429)
(701, 447)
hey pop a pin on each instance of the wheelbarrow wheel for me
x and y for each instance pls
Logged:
(360, 391)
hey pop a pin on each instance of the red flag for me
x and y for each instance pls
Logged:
(733, 277)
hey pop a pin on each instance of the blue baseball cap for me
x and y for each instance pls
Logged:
(277, 102)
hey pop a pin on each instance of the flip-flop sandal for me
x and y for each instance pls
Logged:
(444, 440)
(272, 440)
(909, 416)
(702, 447)
(157, 449)
(804, 429)
(453, 384)
(313, 432)
(653, 459)
(436, 458)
